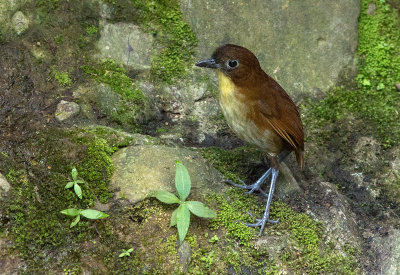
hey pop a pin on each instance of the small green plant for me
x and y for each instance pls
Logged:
(62, 78)
(75, 183)
(87, 213)
(91, 30)
(181, 216)
(126, 252)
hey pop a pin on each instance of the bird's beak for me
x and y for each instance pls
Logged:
(208, 63)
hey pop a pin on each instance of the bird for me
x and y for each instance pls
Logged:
(260, 112)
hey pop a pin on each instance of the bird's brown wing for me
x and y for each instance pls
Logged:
(281, 113)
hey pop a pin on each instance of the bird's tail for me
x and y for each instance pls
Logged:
(300, 157)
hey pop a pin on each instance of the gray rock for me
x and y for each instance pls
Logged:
(66, 110)
(334, 211)
(140, 170)
(9, 264)
(303, 44)
(4, 185)
(20, 22)
(387, 249)
(184, 252)
(126, 44)
(367, 153)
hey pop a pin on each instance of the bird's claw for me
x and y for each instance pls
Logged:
(251, 187)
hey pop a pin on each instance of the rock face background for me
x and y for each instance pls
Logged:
(301, 63)
(109, 87)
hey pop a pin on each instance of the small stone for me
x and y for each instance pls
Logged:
(20, 22)
(184, 252)
(371, 9)
(66, 109)
(4, 185)
(398, 86)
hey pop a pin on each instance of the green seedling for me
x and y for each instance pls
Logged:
(87, 213)
(181, 216)
(126, 253)
(74, 183)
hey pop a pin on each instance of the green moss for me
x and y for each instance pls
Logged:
(306, 250)
(375, 99)
(165, 21)
(232, 214)
(233, 164)
(38, 194)
(309, 251)
(113, 74)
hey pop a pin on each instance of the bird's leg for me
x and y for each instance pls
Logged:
(255, 186)
(261, 222)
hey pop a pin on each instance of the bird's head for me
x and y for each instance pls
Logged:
(234, 61)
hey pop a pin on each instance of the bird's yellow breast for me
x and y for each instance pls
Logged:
(235, 109)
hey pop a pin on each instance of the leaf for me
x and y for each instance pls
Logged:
(93, 214)
(69, 185)
(74, 173)
(182, 181)
(80, 181)
(77, 219)
(78, 190)
(200, 210)
(166, 197)
(182, 221)
(173, 218)
(129, 250)
(123, 254)
(70, 212)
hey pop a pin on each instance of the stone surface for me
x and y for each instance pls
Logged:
(4, 185)
(140, 170)
(9, 264)
(303, 44)
(387, 249)
(126, 44)
(66, 110)
(367, 152)
(334, 211)
(184, 252)
(20, 22)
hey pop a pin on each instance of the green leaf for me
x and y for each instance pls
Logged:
(70, 212)
(93, 214)
(74, 173)
(80, 181)
(200, 210)
(69, 185)
(380, 86)
(78, 190)
(166, 197)
(130, 250)
(173, 218)
(77, 219)
(182, 221)
(182, 181)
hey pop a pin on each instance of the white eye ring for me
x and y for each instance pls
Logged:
(232, 64)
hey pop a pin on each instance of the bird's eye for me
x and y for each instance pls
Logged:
(232, 64)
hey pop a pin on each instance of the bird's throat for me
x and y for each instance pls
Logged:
(226, 85)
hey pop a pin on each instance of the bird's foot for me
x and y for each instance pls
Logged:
(261, 222)
(250, 187)
(253, 187)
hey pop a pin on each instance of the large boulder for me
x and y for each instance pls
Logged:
(127, 44)
(305, 45)
(141, 170)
